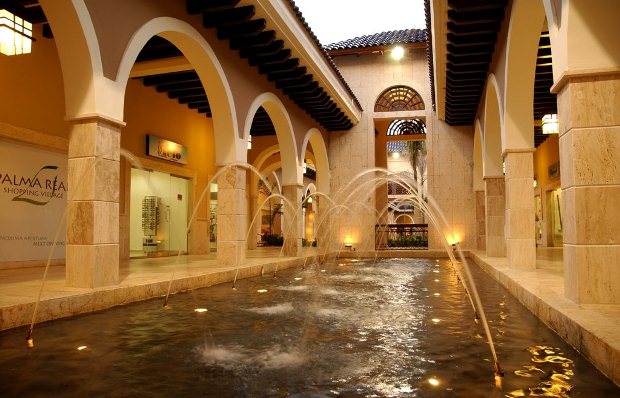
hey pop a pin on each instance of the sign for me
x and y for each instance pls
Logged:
(33, 199)
(164, 149)
(554, 170)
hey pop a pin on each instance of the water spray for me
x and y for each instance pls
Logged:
(235, 280)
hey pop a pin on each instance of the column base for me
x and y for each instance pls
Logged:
(92, 266)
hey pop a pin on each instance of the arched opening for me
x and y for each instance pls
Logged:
(399, 98)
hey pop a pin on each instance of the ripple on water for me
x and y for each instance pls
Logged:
(283, 308)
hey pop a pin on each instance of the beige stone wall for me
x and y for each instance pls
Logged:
(450, 149)
(450, 181)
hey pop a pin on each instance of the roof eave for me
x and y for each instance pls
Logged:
(282, 19)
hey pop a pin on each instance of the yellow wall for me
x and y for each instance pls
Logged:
(32, 88)
(150, 112)
(545, 155)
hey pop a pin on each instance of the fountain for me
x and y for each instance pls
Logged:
(377, 318)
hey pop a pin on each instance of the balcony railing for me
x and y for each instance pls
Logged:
(401, 236)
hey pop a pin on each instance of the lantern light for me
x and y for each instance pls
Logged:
(15, 34)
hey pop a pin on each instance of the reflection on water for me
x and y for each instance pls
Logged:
(397, 328)
(552, 368)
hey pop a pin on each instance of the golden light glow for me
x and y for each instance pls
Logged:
(398, 52)
(433, 382)
(436, 271)
(15, 34)
(309, 199)
(437, 294)
(200, 310)
(82, 347)
(262, 290)
(436, 320)
(249, 142)
(298, 279)
(322, 270)
(550, 124)
(436, 280)
(172, 146)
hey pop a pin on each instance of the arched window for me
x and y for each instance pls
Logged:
(406, 127)
(399, 98)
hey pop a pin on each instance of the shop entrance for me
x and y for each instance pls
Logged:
(158, 214)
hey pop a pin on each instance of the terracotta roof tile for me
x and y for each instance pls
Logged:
(381, 39)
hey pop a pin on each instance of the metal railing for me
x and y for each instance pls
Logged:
(401, 236)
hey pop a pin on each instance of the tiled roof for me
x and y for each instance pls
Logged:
(381, 39)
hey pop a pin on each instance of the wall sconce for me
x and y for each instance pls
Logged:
(309, 199)
(550, 124)
(305, 166)
(249, 141)
(15, 34)
(397, 53)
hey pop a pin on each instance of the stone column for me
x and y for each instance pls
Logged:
(93, 204)
(322, 224)
(231, 219)
(520, 208)
(494, 189)
(292, 230)
(253, 208)
(589, 116)
(481, 235)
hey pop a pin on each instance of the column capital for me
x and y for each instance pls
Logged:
(505, 152)
(96, 117)
(493, 177)
(569, 75)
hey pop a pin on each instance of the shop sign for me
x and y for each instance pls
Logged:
(33, 198)
(167, 150)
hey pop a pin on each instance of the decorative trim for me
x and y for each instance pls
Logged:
(567, 76)
(517, 150)
(96, 117)
(27, 136)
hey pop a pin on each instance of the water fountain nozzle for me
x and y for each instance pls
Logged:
(498, 370)
(29, 339)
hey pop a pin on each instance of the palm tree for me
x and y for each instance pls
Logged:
(417, 158)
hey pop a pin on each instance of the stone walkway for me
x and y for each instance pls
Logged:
(140, 279)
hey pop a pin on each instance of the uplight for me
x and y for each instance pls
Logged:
(298, 279)
(435, 320)
(437, 294)
(262, 290)
(82, 347)
(15, 34)
(249, 142)
(433, 382)
(200, 310)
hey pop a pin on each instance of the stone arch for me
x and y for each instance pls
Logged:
(478, 158)
(291, 166)
(519, 73)
(319, 149)
(399, 98)
(87, 93)
(405, 216)
(491, 134)
(228, 147)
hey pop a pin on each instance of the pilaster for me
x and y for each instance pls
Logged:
(495, 202)
(520, 209)
(293, 231)
(231, 218)
(589, 114)
(93, 204)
